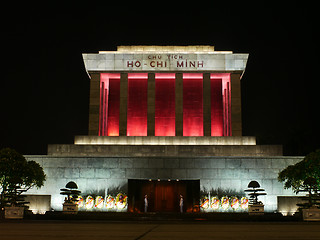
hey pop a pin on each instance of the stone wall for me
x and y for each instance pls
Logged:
(163, 150)
(100, 174)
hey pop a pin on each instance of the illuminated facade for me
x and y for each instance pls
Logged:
(164, 121)
(159, 91)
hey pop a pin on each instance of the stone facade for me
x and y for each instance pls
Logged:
(98, 174)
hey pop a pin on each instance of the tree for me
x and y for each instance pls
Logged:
(304, 176)
(71, 192)
(294, 176)
(17, 175)
(312, 199)
(255, 191)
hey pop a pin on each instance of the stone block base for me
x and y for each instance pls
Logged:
(14, 212)
(256, 209)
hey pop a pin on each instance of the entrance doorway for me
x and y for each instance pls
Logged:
(163, 196)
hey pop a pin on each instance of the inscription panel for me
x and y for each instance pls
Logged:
(164, 62)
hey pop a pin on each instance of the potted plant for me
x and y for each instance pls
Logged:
(17, 175)
(70, 204)
(255, 207)
(310, 209)
(304, 176)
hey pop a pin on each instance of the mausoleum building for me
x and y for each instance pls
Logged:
(164, 121)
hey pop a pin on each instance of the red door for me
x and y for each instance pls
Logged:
(164, 197)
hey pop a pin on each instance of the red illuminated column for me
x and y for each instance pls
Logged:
(109, 104)
(220, 104)
(228, 110)
(103, 106)
(137, 111)
(151, 104)
(192, 104)
(225, 116)
(123, 106)
(113, 107)
(165, 104)
(101, 109)
(226, 104)
(94, 104)
(105, 111)
(216, 108)
(206, 104)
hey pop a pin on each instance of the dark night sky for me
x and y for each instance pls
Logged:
(45, 89)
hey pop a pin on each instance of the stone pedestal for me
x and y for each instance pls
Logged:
(14, 212)
(311, 214)
(256, 209)
(70, 208)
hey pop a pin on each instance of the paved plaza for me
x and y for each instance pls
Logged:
(157, 230)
